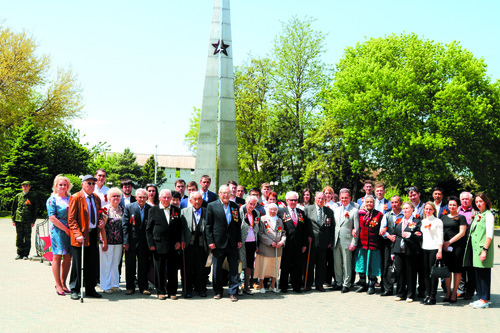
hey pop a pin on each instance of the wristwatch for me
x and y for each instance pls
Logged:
(485, 249)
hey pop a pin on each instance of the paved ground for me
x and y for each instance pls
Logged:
(29, 304)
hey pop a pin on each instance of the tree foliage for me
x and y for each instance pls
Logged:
(124, 166)
(418, 111)
(191, 137)
(30, 89)
(148, 174)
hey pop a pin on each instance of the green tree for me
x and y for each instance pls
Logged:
(148, 173)
(191, 137)
(418, 111)
(27, 160)
(299, 76)
(125, 167)
(27, 90)
(252, 88)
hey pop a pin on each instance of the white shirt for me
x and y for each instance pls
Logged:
(102, 194)
(167, 212)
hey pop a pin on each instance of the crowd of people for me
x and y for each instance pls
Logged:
(321, 239)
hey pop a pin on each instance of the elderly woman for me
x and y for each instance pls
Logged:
(432, 244)
(368, 258)
(153, 198)
(57, 209)
(249, 233)
(111, 247)
(454, 229)
(306, 198)
(479, 251)
(405, 253)
(272, 238)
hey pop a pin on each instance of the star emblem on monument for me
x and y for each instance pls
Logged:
(220, 46)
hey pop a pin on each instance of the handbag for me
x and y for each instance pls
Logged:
(440, 270)
(392, 273)
(209, 260)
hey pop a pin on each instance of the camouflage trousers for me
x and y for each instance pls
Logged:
(23, 240)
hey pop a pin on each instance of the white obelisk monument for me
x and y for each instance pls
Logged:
(217, 154)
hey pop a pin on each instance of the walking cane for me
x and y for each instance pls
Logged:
(81, 275)
(307, 266)
(184, 269)
(276, 264)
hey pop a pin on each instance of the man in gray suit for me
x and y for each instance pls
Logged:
(194, 245)
(345, 240)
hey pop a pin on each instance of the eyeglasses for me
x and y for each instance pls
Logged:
(91, 184)
(151, 185)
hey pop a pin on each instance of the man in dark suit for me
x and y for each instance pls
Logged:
(208, 196)
(234, 198)
(297, 234)
(321, 228)
(194, 245)
(164, 233)
(223, 233)
(85, 226)
(135, 244)
(180, 186)
(127, 197)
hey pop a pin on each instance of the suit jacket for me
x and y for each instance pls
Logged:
(442, 210)
(344, 223)
(240, 201)
(187, 216)
(78, 216)
(220, 233)
(185, 203)
(211, 197)
(134, 229)
(320, 231)
(412, 243)
(122, 201)
(160, 233)
(419, 211)
(269, 235)
(296, 236)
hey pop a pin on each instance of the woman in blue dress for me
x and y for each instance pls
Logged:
(57, 208)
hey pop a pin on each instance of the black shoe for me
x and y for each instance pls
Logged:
(75, 296)
(386, 293)
(345, 290)
(297, 290)
(93, 294)
(362, 289)
(202, 294)
(336, 287)
(430, 301)
(371, 291)
(426, 299)
(307, 289)
(320, 289)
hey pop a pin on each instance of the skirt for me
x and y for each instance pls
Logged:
(368, 262)
(266, 267)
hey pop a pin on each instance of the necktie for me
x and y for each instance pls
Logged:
(91, 213)
(294, 217)
(320, 215)
(197, 216)
(205, 196)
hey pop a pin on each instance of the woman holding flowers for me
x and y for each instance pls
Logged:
(432, 244)
(111, 247)
(271, 241)
(480, 249)
(405, 253)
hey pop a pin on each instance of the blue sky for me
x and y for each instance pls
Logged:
(142, 64)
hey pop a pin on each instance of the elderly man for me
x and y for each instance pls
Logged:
(321, 227)
(24, 218)
(387, 227)
(345, 240)
(467, 286)
(85, 225)
(164, 233)
(297, 234)
(135, 244)
(223, 233)
(194, 245)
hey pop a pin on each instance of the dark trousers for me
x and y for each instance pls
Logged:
(317, 267)
(386, 263)
(330, 273)
(291, 264)
(430, 283)
(232, 255)
(23, 239)
(168, 262)
(195, 260)
(406, 267)
(142, 255)
(420, 273)
(483, 283)
(468, 283)
(90, 263)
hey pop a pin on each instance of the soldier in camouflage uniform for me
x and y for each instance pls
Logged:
(23, 218)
